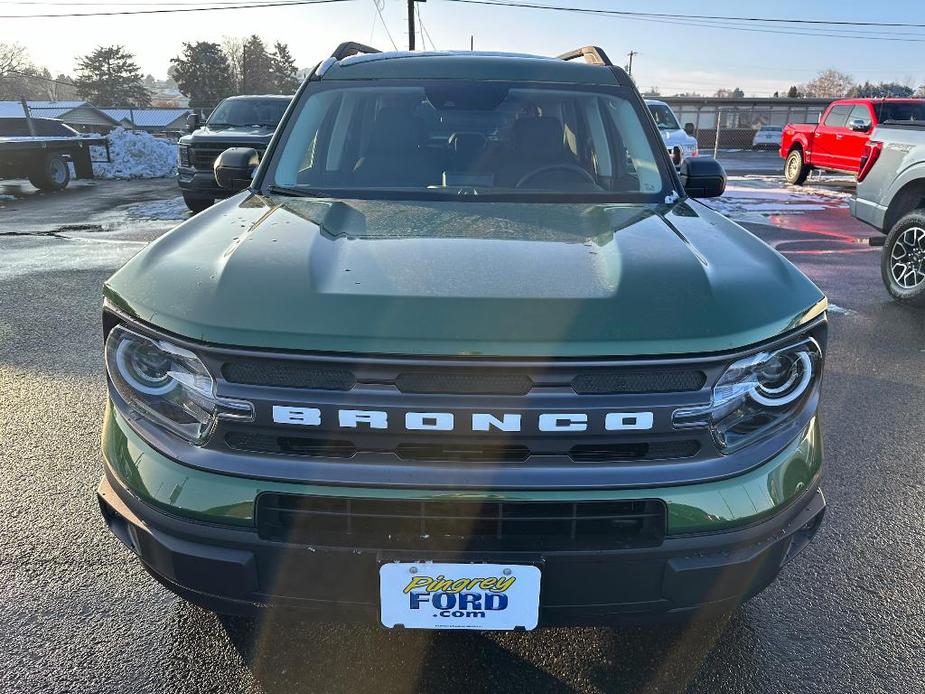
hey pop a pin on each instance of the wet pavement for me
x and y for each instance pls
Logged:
(77, 613)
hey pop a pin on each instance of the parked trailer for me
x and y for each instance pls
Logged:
(40, 149)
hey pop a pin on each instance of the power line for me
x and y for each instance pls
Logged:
(684, 20)
(36, 77)
(656, 15)
(780, 32)
(384, 25)
(424, 33)
(134, 3)
(249, 6)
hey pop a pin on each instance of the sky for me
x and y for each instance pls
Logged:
(673, 55)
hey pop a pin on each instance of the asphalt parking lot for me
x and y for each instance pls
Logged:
(78, 614)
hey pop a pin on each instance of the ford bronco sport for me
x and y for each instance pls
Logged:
(463, 352)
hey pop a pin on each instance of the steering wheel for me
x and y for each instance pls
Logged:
(571, 168)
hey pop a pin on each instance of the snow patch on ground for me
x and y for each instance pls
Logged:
(169, 210)
(754, 198)
(835, 308)
(136, 154)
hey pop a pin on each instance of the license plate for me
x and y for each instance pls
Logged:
(459, 596)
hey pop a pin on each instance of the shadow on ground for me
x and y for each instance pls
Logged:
(285, 656)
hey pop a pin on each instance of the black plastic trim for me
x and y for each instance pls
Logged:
(234, 571)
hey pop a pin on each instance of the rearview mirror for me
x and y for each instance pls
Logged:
(192, 121)
(858, 125)
(234, 168)
(702, 177)
(689, 128)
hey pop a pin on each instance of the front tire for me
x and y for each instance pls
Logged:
(53, 175)
(902, 265)
(197, 205)
(795, 169)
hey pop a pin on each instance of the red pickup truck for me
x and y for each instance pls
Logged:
(837, 143)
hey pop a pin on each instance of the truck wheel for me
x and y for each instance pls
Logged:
(197, 205)
(54, 174)
(902, 264)
(795, 171)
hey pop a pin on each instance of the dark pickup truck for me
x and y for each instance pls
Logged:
(238, 121)
(41, 151)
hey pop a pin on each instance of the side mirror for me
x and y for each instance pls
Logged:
(234, 168)
(702, 177)
(858, 125)
(689, 129)
(192, 122)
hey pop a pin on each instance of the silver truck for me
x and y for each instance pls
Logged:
(891, 197)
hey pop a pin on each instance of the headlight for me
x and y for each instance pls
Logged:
(183, 155)
(167, 384)
(756, 395)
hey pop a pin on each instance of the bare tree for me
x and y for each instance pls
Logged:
(233, 48)
(829, 84)
(13, 59)
(19, 77)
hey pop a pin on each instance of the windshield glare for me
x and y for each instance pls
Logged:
(242, 112)
(664, 118)
(466, 138)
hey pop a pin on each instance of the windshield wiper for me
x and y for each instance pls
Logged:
(294, 192)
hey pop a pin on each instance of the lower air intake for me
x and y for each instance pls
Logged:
(460, 524)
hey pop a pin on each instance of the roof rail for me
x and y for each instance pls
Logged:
(592, 54)
(348, 48)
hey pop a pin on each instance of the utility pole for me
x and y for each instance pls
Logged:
(244, 69)
(411, 29)
(629, 66)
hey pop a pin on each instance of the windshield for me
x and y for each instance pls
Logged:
(465, 138)
(909, 111)
(664, 118)
(243, 112)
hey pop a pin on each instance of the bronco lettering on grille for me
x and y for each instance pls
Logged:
(447, 421)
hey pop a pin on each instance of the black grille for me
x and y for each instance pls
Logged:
(460, 524)
(625, 452)
(287, 374)
(293, 445)
(648, 381)
(463, 453)
(460, 452)
(203, 157)
(463, 384)
(292, 373)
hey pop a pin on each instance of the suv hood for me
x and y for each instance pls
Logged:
(256, 133)
(677, 137)
(451, 278)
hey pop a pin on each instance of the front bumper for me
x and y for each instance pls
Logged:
(226, 567)
(233, 571)
(868, 212)
(199, 184)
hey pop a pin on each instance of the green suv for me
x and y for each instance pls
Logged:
(463, 352)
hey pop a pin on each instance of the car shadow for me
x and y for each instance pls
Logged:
(284, 655)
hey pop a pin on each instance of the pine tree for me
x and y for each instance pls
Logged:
(202, 73)
(283, 70)
(109, 76)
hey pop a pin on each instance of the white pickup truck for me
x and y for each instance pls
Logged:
(680, 145)
(891, 197)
